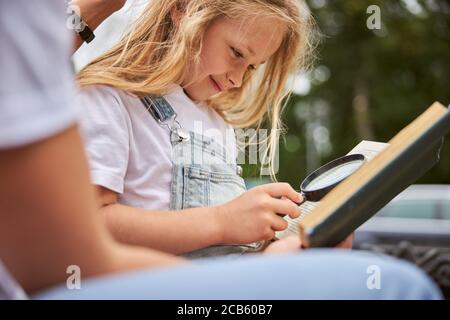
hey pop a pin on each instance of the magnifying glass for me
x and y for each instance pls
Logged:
(317, 184)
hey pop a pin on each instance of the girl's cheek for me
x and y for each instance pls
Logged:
(216, 64)
(219, 68)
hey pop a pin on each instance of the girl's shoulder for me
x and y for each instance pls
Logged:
(107, 97)
(101, 93)
(102, 103)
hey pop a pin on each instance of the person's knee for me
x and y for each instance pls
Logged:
(364, 275)
(402, 280)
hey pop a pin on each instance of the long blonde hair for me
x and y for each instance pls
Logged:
(155, 54)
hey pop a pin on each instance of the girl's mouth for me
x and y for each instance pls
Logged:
(215, 84)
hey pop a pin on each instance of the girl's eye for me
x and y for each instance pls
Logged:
(239, 55)
(236, 53)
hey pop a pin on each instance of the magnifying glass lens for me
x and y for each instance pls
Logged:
(334, 175)
(323, 180)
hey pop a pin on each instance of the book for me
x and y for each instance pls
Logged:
(368, 148)
(390, 169)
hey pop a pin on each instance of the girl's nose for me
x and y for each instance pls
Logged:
(235, 77)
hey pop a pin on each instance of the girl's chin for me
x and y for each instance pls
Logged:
(198, 96)
(192, 95)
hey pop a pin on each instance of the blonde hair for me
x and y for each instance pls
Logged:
(156, 52)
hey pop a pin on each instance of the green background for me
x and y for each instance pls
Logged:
(367, 84)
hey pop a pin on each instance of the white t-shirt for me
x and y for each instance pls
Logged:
(36, 82)
(130, 152)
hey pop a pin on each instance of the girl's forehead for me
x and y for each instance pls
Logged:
(261, 35)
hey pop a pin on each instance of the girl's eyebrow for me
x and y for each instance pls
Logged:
(249, 49)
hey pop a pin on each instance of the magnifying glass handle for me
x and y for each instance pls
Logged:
(304, 198)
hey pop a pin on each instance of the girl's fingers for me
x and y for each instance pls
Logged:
(285, 245)
(278, 190)
(347, 243)
(286, 207)
(278, 223)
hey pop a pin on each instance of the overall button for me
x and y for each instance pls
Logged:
(183, 135)
(239, 171)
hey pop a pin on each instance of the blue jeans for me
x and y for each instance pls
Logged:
(312, 274)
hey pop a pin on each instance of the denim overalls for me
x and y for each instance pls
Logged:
(201, 174)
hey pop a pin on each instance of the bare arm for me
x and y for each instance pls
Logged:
(49, 218)
(94, 12)
(248, 218)
(174, 231)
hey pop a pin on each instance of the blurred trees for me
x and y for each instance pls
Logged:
(368, 84)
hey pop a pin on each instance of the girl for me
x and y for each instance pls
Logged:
(157, 110)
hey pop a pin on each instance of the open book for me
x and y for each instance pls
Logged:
(391, 168)
(368, 148)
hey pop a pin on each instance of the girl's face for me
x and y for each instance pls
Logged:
(230, 49)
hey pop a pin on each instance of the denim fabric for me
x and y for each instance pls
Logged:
(311, 274)
(203, 176)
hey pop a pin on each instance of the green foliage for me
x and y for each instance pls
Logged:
(402, 68)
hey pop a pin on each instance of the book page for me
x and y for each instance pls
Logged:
(305, 209)
(368, 148)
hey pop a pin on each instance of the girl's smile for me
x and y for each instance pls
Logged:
(216, 86)
(231, 49)
(213, 50)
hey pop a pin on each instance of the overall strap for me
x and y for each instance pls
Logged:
(162, 111)
(158, 107)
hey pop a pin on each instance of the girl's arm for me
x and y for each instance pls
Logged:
(249, 218)
(94, 12)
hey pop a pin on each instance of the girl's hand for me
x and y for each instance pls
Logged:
(255, 215)
(347, 243)
(94, 12)
(293, 243)
(285, 245)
